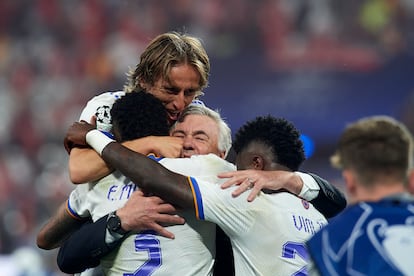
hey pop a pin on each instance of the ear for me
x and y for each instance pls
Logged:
(258, 162)
(143, 85)
(222, 154)
(411, 182)
(350, 182)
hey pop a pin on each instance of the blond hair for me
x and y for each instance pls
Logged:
(164, 52)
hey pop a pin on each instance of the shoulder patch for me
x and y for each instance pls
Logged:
(305, 204)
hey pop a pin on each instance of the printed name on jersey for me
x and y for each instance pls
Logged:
(121, 192)
(305, 224)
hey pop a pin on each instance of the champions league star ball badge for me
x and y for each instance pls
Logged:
(103, 118)
(395, 243)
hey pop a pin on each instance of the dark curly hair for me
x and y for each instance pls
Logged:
(277, 133)
(137, 115)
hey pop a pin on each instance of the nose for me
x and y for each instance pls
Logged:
(188, 142)
(188, 146)
(180, 101)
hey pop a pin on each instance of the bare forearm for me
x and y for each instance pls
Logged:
(165, 146)
(141, 145)
(59, 227)
(85, 165)
(293, 183)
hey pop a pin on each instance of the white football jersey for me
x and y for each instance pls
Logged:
(268, 234)
(192, 251)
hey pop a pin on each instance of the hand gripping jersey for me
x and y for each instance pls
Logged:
(268, 235)
(190, 253)
(374, 238)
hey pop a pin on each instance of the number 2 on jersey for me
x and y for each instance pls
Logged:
(293, 249)
(146, 241)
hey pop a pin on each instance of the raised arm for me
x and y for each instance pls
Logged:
(85, 165)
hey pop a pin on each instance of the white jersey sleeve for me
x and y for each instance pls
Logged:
(77, 205)
(100, 106)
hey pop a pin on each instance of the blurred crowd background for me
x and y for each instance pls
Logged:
(318, 63)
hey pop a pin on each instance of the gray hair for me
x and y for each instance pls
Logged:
(224, 135)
